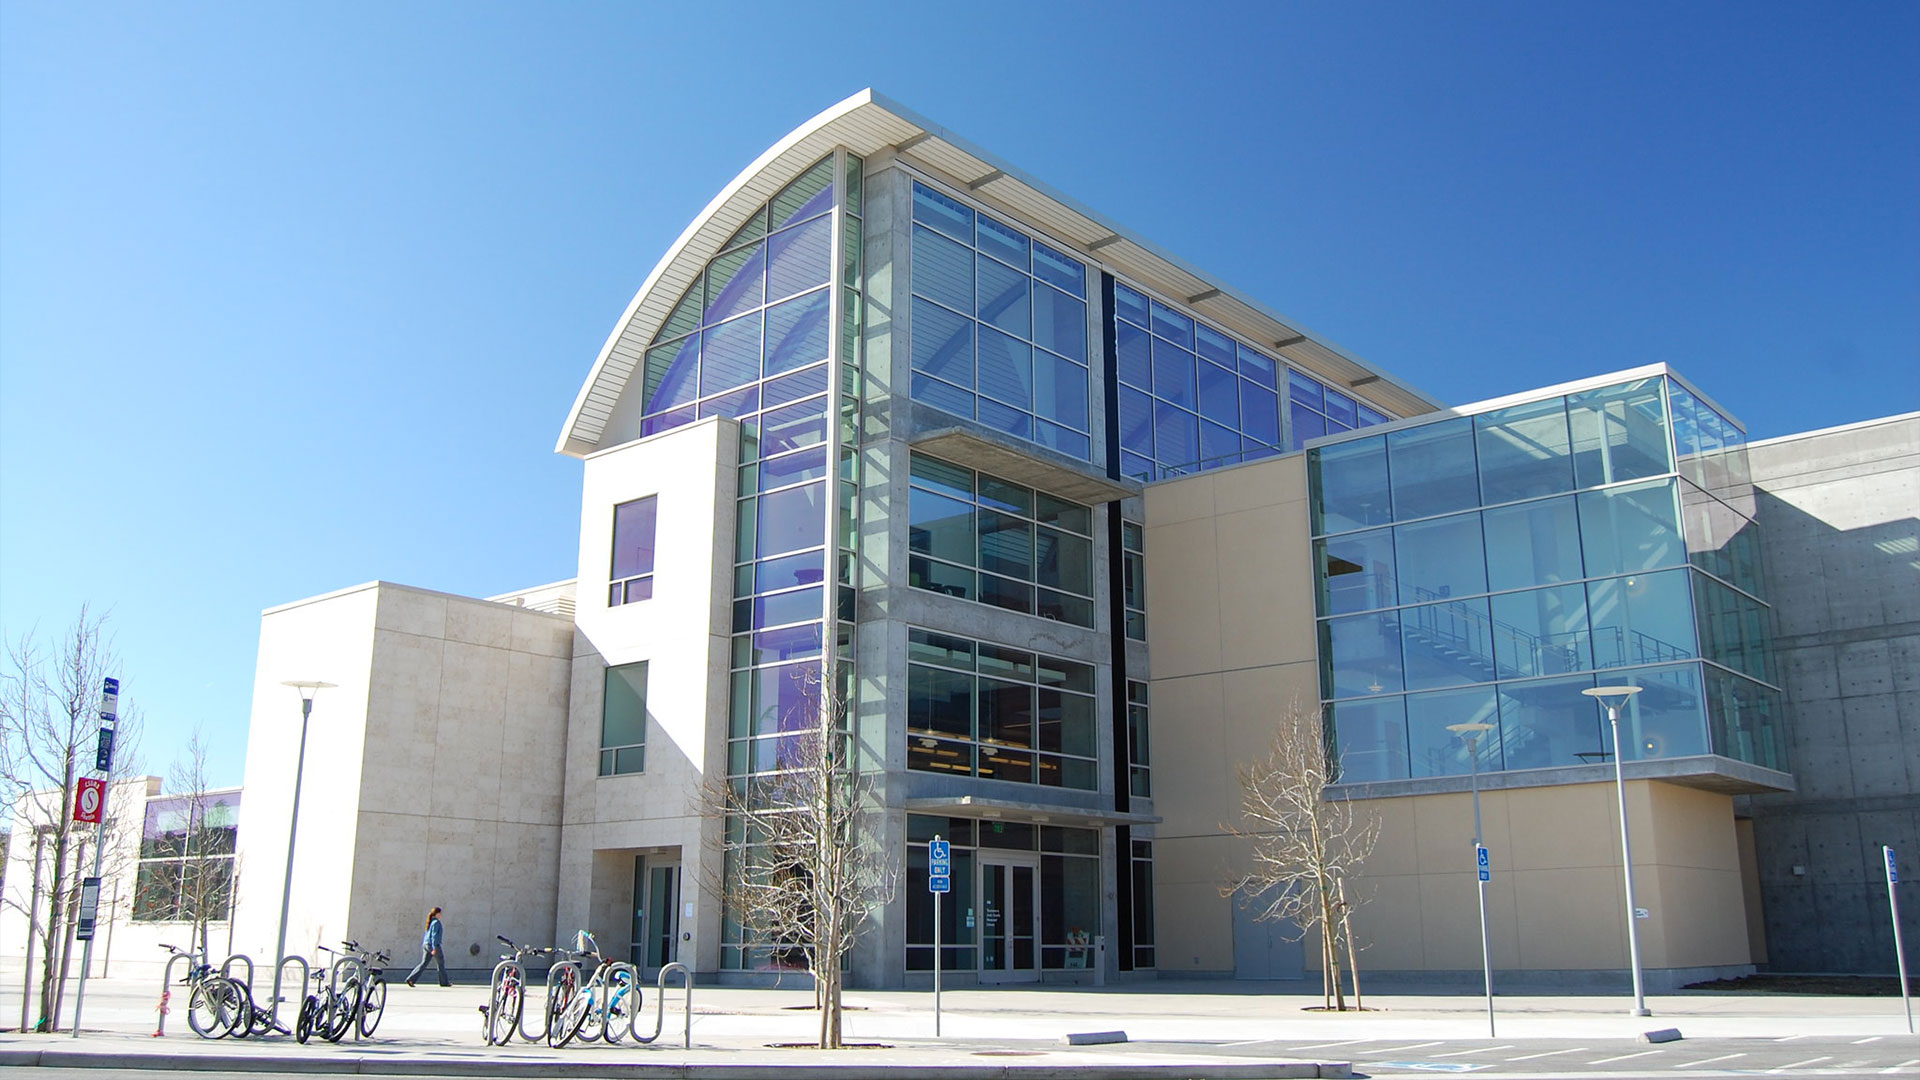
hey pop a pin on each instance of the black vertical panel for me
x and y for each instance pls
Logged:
(1116, 630)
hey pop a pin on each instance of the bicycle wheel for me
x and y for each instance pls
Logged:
(575, 1017)
(503, 1012)
(560, 997)
(593, 1026)
(210, 1010)
(241, 998)
(623, 1004)
(309, 1013)
(341, 1011)
(374, 1007)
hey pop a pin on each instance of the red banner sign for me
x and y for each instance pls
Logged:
(90, 802)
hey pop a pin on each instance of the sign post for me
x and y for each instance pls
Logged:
(939, 883)
(1483, 862)
(96, 787)
(1899, 948)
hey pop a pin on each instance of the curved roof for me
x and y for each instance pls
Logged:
(867, 124)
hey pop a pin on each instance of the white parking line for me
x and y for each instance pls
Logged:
(1709, 1061)
(1397, 1049)
(1797, 1064)
(1623, 1057)
(1868, 1039)
(1475, 1050)
(1902, 1065)
(1789, 1038)
(1549, 1053)
(1322, 1046)
(1246, 1042)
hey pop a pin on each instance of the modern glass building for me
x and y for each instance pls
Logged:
(1487, 566)
(1069, 521)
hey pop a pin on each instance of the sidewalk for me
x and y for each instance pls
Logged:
(998, 1032)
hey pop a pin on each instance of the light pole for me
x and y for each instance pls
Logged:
(1472, 733)
(1613, 697)
(307, 691)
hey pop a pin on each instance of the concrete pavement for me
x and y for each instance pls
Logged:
(997, 1032)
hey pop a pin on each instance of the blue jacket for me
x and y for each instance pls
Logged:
(432, 938)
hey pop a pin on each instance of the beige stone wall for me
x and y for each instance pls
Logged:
(432, 773)
(1231, 622)
(683, 634)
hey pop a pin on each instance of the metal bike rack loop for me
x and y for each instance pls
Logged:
(306, 975)
(554, 972)
(333, 978)
(660, 1007)
(166, 987)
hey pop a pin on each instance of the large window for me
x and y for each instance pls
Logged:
(186, 858)
(1486, 567)
(623, 721)
(999, 325)
(633, 531)
(979, 709)
(1192, 397)
(981, 538)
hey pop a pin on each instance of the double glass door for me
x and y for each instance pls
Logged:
(1010, 918)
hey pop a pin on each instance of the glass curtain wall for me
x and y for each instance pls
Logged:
(798, 399)
(1192, 397)
(978, 537)
(1487, 568)
(999, 325)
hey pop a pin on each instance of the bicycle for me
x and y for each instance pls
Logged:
(372, 993)
(215, 1006)
(506, 1005)
(611, 996)
(328, 1012)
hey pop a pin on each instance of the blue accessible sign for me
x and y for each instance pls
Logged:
(1485, 863)
(939, 866)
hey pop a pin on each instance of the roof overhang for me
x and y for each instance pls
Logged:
(972, 806)
(1022, 462)
(868, 123)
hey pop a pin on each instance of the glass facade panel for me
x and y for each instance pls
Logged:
(1435, 751)
(1440, 558)
(1360, 655)
(1348, 484)
(1547, 723)
(1631, 528)
(1022, 717)
(1525, 451)
(1666, 719)
(1370, 739)
(1432, 469)
(962, 522)
(1744, 719)
(1644, 619)
(1736, 630)
(1446, 644)
(1619, 433)
(1534, 543)
(1542, 632)
(1356, 572)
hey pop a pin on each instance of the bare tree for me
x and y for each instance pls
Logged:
(803, 867)
(49, 727)
(1304, 847)
(189, 858)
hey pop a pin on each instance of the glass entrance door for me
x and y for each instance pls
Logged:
(1010, 919)
(656, 914)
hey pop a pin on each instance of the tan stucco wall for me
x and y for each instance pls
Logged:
(1231, 627)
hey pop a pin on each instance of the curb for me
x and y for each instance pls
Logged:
(852, 1070)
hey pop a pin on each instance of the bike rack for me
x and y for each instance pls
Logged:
(166, 987)
(333, 979)
(300, 988)
(660, 1009)
(546, 1006)
(226, 971)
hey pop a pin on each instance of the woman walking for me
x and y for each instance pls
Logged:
(430, 950)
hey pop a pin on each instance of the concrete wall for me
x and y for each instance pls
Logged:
(1841, 545)
(682, 634)
(432, 773)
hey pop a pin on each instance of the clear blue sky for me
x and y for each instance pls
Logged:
(297, 296)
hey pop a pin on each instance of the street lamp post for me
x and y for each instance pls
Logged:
(307, 691)
(1472, 733)
(1613, 697)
